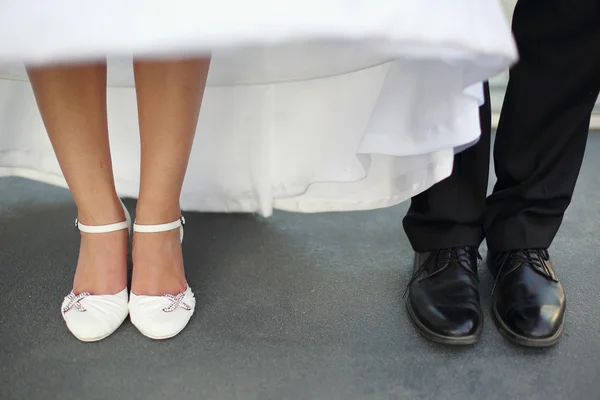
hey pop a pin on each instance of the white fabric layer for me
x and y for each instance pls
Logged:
(324, 105)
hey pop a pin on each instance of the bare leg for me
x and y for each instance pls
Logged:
(169, 95)
(72, 101)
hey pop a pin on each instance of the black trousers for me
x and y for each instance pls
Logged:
(539, 145)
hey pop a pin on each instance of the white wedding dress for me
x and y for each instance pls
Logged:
(314, 105)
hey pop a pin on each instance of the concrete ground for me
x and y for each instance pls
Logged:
(293, 307)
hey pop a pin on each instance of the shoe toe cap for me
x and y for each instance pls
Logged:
(539, 322)
(452, 321)
(99, 317)
(158, 324)
(89, 329)
(157, 317)
(89, 326)
(460, 322)
(467, 325)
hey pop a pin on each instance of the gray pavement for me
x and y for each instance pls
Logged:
(292, 307)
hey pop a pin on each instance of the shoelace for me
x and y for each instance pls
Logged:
(74, 301)
(176, 301)
(442, 259)
(534, 257)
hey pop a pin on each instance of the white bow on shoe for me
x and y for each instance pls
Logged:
(94, 317)
(161, 317)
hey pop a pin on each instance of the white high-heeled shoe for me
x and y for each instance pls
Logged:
(94, 317)
(161, 317)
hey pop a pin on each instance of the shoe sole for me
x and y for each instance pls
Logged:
(441, 339)
(91, 340)
(161, 337)
(520, 340)
(172, 335)
(94, 339)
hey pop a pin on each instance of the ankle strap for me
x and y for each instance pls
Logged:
(159, 228)
(101, 228)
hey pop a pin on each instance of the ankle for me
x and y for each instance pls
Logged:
(101, 212)
(152, 212)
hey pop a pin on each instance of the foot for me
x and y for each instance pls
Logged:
(528, 305)
(98, 303)
(158, 263)
(443, 301)
(161, 302)
(102, 263)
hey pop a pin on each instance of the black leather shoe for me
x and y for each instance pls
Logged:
(528, 304)
(443, 301)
